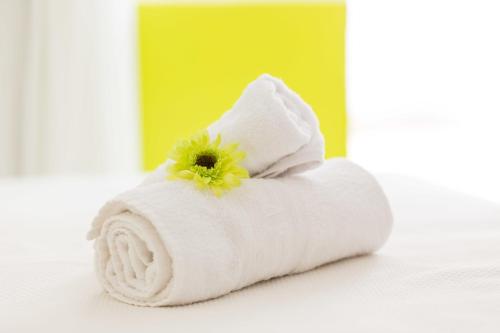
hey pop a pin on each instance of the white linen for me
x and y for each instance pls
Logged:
(169, 243)
(271, 115)
(439, 271)
(268, 114)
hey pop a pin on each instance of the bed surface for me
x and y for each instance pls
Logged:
(439, 271)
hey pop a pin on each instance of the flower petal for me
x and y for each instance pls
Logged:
(225, 174)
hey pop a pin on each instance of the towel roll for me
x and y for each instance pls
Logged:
(168, 243)
(269, 114)
(278, 131)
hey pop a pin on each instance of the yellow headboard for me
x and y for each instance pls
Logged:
(195, 60)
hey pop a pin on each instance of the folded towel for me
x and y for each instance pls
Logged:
(168, 243)
(274, 126)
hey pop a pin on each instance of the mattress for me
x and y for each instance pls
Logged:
(439, 271)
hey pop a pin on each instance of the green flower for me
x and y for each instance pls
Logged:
(207, 164)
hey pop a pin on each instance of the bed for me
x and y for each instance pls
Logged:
(439, 271)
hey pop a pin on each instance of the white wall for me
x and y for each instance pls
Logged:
(424, 90)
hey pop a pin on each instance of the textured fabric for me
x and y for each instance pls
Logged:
(439, 271)
(169, 243)
(271, 115)
(278, 131)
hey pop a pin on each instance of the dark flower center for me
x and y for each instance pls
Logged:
(206, 160)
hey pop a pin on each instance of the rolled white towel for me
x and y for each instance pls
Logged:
(168, 243)
(278, 131)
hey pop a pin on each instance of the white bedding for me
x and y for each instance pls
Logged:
(439, 272)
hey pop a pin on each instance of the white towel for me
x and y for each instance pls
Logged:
(274, 126)
(168, 243)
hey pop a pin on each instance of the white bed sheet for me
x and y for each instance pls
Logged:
(439, 272)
